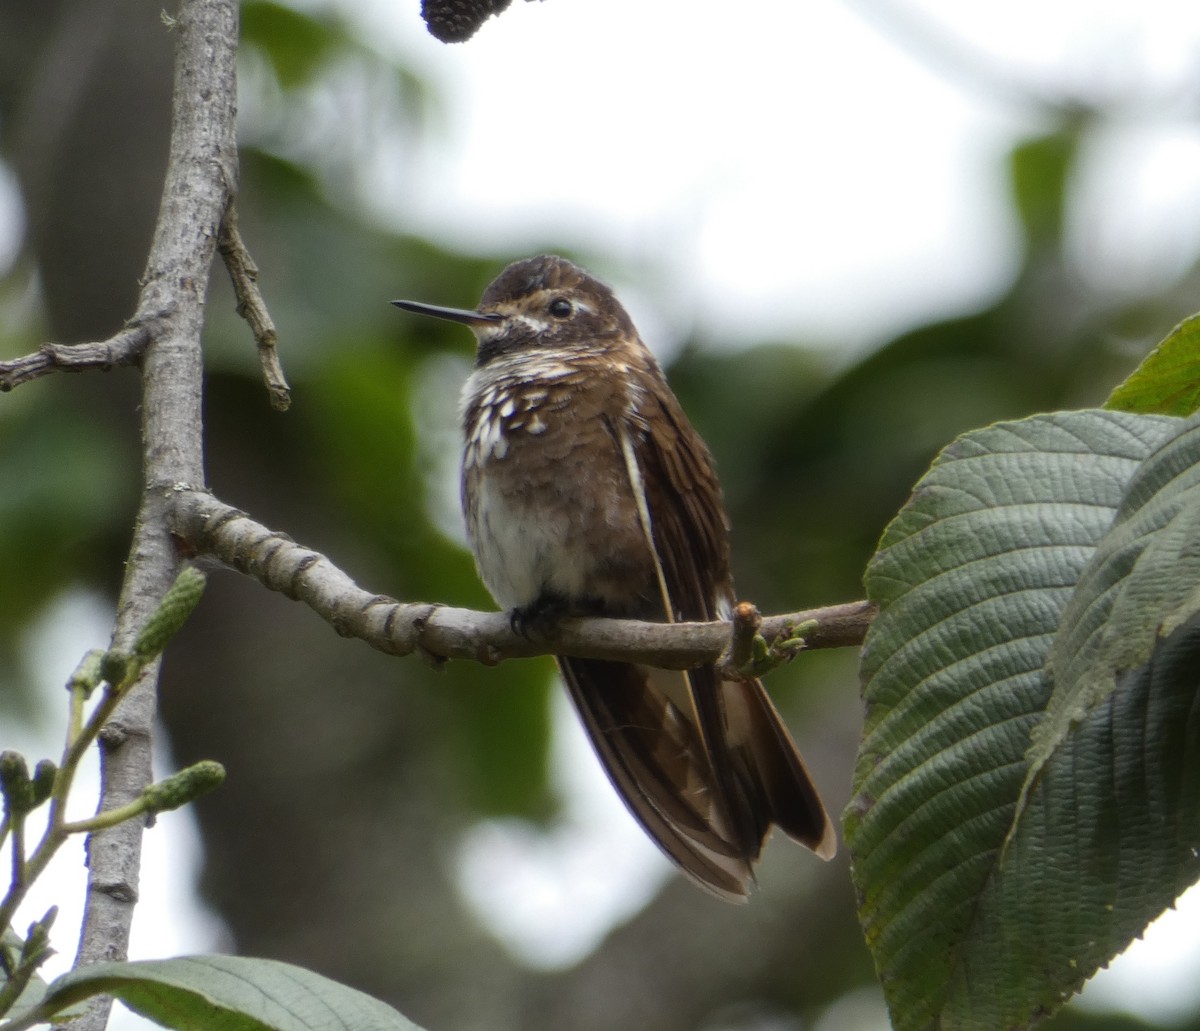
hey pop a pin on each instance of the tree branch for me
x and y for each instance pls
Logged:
(251, 307)
(202, 171)
(207, 526)
(124, 348)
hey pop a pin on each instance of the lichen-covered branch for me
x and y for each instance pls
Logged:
(208, 526)
(124, 348)
(201, 173)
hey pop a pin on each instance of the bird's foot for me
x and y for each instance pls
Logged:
(540, 617)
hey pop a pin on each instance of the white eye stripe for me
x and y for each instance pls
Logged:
(501, 329)
(535, 324)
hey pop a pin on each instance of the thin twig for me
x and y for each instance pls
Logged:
(745, 625)
(124, 348)
(27, 870)
(207, 526)
(251, 307)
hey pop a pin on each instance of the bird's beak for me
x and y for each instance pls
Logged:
(469, 318)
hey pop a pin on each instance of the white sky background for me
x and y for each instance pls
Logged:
(779, 168)
(787, 168)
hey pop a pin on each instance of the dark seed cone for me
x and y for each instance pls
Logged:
(455, 21)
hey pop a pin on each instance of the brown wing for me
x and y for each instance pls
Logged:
(757, 770)
(706, 766)
(691, 531)
(656, 759)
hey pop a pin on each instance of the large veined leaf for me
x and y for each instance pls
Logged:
(1143, 583)
(972, 578)
(227, 993)
(1108, 827)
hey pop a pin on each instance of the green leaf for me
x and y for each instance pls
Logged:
(33, 992)
(228, 993)
(972, 577)
(1107, 829)
(1168, 380)
(1143, 583)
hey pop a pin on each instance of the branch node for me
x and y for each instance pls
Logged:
(118, 891)
(746, 646)
(489, 654)
(112, 736)
(431, 659)
(423, 616)
(418, 622)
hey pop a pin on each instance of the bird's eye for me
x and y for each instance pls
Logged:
(561, 308)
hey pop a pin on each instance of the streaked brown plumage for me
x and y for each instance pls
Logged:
(587, 492)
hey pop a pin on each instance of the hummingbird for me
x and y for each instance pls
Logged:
(587, 492)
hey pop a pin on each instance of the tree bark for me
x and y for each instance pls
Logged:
(200, 178)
